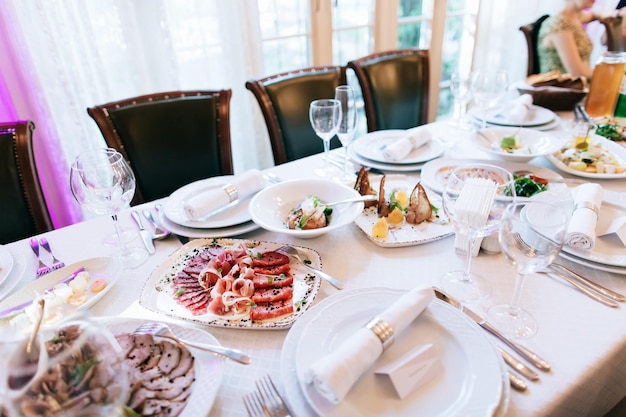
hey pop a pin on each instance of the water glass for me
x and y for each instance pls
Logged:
(347, 125)
(325, 115)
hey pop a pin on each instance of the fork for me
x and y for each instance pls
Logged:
(254, 405)
(56, 263)
(295, 253)
(273, 403)
(159, 232)
(163, 330)
(42, 268)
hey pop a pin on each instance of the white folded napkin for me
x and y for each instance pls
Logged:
(215, 199)
(334, 375)
(519, 108)
(402, 147)
(581, 231)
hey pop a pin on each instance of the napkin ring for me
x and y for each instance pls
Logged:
(587, 205)
(231, 190)
(382, 330)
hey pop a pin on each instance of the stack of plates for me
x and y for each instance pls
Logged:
(538, 118)
(232, 221)
(368, 151)
(13, 268)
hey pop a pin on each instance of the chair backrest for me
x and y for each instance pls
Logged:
(170, 139)
(531, 34)
(22, 204)
(284, 100)
(395, 88)
(614, 38)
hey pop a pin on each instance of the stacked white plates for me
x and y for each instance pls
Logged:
(538, 118)
(14, 266)
(367, 150)
(232, 221)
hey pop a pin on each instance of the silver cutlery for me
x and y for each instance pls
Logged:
(254, 404)
(518, 365)
(42, 268)
(273, 403)
(56, 263)
(591, 284)
(526, 353)
(582, 288)
(159, 209)
(145, 235)
(159, 231)
(295, 253)
(163, 330)
(516, 381)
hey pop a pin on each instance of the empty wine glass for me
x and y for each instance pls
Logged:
(347, 125)
(488, 88)
(325, 115)
(531, 236)
(460, 87)
(103, 183)
(474, 200)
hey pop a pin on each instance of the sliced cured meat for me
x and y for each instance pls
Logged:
(270, 258)
(271, 281)
(273, 270)
(265, 311)
(272, 294)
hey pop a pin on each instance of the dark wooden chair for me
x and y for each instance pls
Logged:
(531, 34)
(170, 139)
(22, 204)
(395, 88)
(613, 30)
(284, 100)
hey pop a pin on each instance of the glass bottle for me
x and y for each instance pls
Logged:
(605, 84)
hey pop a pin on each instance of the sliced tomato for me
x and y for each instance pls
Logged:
(273, 270)
(272, 294)
(265, 311)
(270, 258)
(538, 180)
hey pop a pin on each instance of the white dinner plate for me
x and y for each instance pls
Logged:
(471, 384)
(592, 265)
(382, 166)
(158, 295)
(370, 146)
(498, 116)
(209, 368)
(531, 143)
(618, 151)
(195, 232)
(235, 213)
(435, 173)
(21, 263)
(6, 263)
(406, 234)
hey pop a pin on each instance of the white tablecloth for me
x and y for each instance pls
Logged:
(584, 340)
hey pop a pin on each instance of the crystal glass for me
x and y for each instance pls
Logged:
(488, 89)
(347, 126)
(474, 200)
(460, 87)
(531, 236)
(103, 183)
(325, 116)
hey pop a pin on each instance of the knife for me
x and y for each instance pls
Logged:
(526, 353)
(589, 283)
(145, 235)
(518, 365)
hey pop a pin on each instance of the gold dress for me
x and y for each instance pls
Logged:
(549, 59)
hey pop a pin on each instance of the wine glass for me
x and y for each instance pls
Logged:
(531, 236)
(325, 115)
(488, 88)
(103, 183)
(460, 87)
(347, 124)
(474, 200)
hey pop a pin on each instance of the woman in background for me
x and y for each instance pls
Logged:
(563, 43)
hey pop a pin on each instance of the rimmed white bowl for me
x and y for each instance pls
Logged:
(270, 207)
(534, 142)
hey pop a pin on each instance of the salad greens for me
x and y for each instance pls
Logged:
(528, 185)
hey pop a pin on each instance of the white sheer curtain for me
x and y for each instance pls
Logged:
(60, 57)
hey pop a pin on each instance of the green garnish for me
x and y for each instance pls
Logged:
(129, 412)
(609, 131)
(508, 143)
(78, 372)
(179, 292)
(270, 280)
(526, 186)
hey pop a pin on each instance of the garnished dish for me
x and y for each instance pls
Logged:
(232, 283)
(612, 130)
(528, 185)
(311, 213)
(516, 143)
(598, 158)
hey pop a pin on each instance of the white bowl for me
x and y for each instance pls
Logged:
(270, 207)
(534, 142)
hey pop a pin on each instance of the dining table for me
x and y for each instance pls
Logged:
(584, 341)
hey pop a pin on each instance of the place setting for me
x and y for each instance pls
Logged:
(519, 112)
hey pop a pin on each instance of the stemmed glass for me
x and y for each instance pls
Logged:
(474, 200)
(347, 124)
(460, 87)
(103, 183)
(531, 236)
(325, 115)
(488, 88)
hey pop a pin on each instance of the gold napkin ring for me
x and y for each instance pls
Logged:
(231, 190)
(382, 330)
(587, 205)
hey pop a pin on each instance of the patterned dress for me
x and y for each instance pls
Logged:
(549, 59)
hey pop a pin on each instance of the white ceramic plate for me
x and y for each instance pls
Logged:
(6, 263)
(21, 263)
(618, 151)
(370, 146)
(498, 116)
(435, 173)
(406, 234)
(157, 293)
(382, 166)
(209, 368)
(195, 232)
(232, 215)
(592, 265)
(472, 381)
(533, 143)
(106, 268)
